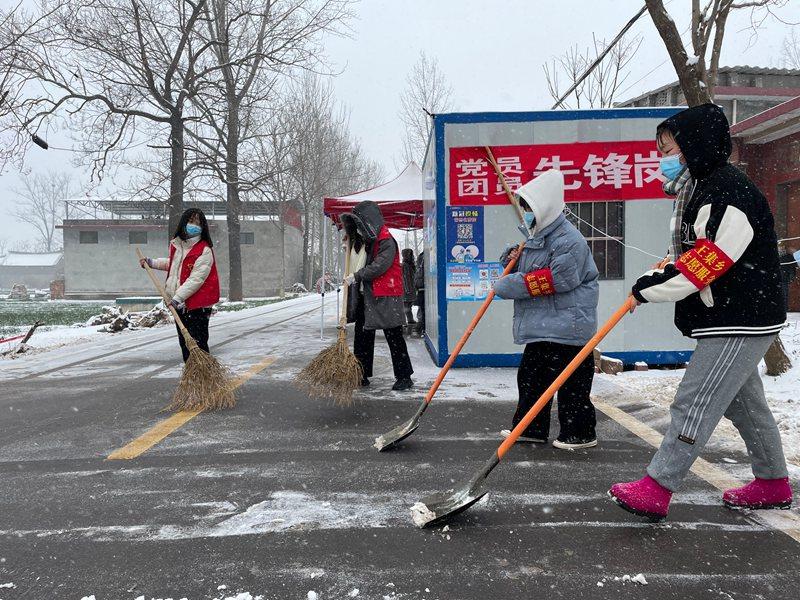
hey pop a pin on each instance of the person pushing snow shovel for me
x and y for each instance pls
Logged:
(723, 273)
(555, 293)
(379, 278)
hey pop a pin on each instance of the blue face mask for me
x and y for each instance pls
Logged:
(529, 219)
(671, 166)
(193, 230)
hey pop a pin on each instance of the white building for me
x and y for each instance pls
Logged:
(35, 270)
(101, 238)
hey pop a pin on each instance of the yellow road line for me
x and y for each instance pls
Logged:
(163, 428)
(782, 520)
(253, 371)
(154, 435)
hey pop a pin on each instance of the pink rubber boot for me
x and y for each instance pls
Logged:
(646, 498)
(760, 493)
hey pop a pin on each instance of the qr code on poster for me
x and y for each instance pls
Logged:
(464, 231)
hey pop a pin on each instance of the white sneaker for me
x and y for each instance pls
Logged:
(574, 444)
(522, 439)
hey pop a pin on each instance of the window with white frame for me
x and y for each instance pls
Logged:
(603, 226)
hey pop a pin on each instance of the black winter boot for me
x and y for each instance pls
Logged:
(404, 383)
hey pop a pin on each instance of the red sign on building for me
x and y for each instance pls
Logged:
(593, 171)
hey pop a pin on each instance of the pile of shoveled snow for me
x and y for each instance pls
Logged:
(783, 393)
(638, 578)
(115, 319)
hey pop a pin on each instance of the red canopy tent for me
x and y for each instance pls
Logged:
(400, 201)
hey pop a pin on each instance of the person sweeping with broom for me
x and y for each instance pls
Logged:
(192, 279)
(380, 288)
(555, 293)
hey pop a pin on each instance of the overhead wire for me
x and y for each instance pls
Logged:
(605, 235)
(569, 212)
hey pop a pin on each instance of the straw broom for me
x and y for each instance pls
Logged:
(335, 372)
(205, 384)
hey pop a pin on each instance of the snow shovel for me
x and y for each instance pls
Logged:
(439, 507)
(398, 434)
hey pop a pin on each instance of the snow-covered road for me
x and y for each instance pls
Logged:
(284, 495)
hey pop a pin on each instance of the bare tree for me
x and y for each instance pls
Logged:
(275, 151)
(117, 71)
(696, 76)
(323, 159)
(600, 89)
(698, 81)
(427, 92)
(253, 43)
(791, 50)
(15, 25)
(3, 246)
(25, 246)
(41, 204)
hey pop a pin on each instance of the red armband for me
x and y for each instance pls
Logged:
(704, 263)
(540, 283)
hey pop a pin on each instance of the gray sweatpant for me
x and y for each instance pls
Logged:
(721, 379)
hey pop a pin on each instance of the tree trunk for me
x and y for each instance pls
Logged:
(177, 174)
(282, 290)
(776, 359)
(306, 245)
(282, 227)
(688, 75)
(308, 255)
(233, 208)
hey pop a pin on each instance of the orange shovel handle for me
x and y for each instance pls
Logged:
(565, 374)
(485, 306)
(470, 328)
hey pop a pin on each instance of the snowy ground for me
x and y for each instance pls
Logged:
(51, 337)
(283, 497)
(655, 388)
(658, 388)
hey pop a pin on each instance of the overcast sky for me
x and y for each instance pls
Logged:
(491, 53)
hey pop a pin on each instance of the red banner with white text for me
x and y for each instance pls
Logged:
(593, 171)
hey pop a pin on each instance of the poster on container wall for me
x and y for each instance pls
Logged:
(471, 281)
(464, 234)
(468, 278)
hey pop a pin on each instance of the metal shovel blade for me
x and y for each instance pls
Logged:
(437, 508)
(394, 436)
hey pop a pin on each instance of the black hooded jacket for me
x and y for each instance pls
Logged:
(727, 281)
(380, 312)
(368, 220)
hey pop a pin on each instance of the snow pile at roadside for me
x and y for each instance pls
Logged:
(783, 393)
(48, 338)
(51, 337)
(658, 388)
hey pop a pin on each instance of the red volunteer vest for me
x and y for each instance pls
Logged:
(208, 294)
(391, 282)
